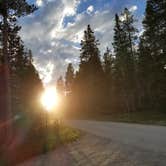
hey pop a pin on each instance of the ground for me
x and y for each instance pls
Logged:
(106, 150)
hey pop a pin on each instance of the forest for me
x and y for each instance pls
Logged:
(131, 76)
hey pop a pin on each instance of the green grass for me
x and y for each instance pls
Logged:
(62, 136)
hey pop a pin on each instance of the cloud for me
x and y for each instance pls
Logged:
(133, 8)
(51, 42)
(46, 73)
(70, 7)
(39, 3)
(55, 45)
(90, 9)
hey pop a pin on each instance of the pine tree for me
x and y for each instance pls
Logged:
(152, 53)
(124, 42)
(90, 74)
(60, 85)
(89, 52)
(10, 10)
(69, 78)
(108, 65)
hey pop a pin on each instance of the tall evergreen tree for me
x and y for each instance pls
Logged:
(60, 85)
(10, 10)
(108, 65)
(69, 78)
(152, 53)
(90, 74)
(124, 41)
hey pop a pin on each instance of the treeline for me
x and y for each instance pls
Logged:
(20, 84)
(130, 78)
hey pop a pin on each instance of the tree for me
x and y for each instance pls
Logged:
(90, 75)
(60, 85)
(108, 67)
(152, 53)
(124, 42)
(107, 63)
(10, 10)
(69, 78)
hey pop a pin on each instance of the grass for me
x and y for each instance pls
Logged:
(141, 117)
(63, 136)
(39, 142)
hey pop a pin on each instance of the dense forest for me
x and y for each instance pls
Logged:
(20, 85)
(132, 76)
(129, 77)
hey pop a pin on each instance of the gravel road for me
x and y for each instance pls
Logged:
(143, 136)
(109, 144)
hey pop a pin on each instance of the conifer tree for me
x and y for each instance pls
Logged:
(107, 63)
(152, 53)
(90, 74)
(124, 40)
(10, 10)
(60, 85)
(69, 78)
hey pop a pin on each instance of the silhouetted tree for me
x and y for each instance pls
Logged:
(69, 78)
(124, 42)
(108, 67)
(10, 10)
(60, 85)
(90, 75)
(152, 53)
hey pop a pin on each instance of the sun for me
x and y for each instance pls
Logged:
(50, 98)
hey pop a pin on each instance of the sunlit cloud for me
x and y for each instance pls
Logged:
(90, 9)
(133, 8)
(39, 3)
(46, 72)
(55, 32)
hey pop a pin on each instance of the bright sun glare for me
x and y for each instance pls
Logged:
(49, 98)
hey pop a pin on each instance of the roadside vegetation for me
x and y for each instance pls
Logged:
(39, 141)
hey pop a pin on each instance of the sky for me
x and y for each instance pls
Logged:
(55, 30)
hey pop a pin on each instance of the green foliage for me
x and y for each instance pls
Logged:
(124, 74)
(68, 135)
(59, 135)
(87, 84)
(23, 83)
(152, 53)
(134, 76)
